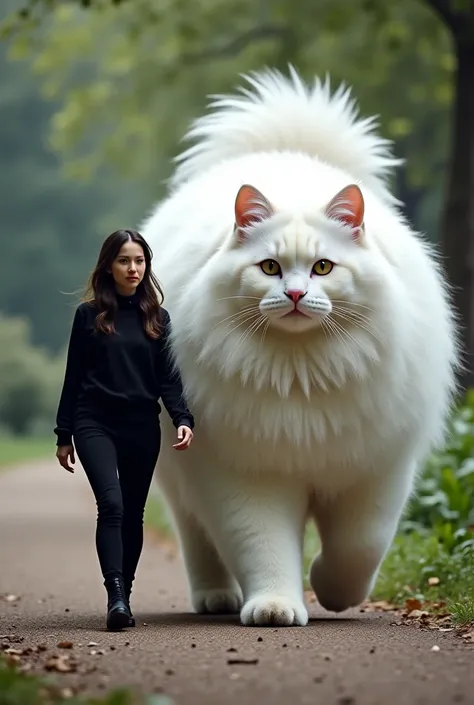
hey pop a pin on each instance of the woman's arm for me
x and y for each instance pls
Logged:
(72, 381)
(172, 393)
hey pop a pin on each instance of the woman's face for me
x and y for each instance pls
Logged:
(128, 268)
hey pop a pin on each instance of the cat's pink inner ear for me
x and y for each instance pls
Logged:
(347, 206)
(251, 207)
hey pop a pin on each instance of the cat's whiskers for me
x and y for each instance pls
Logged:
(358, 320)
(349, 304)
(235, 316)
(248, 333)
(339, 332)
(250, 317)
(358, 314)
(264, 332)
(240, 296)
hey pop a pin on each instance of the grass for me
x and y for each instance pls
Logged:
(18, 688)
(419, 566)
(18, 449)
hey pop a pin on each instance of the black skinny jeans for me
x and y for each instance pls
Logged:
(118, 450)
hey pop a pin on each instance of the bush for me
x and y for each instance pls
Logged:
(444, 503)
(29, 380)
(436, 537)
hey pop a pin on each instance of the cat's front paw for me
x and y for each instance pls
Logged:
(217, 601)
(274, 611)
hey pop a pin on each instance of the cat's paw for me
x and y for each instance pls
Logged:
(336, 593)
(274, 610)
(218, 601)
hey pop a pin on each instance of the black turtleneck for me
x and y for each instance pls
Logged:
(126, 366)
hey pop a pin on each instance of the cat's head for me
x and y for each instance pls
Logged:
(295, 269)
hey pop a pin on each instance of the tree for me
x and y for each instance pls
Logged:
(458, 217)
(161, 60)
(29, 382)
(154, 65)
(51, 226)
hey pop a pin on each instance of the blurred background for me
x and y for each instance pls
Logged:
(95, 96)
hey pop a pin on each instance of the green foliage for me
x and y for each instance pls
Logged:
(413, 559)
(52, 227)
(436, 538)
(17, 688)
(19, 449)
(130, 77)
(444, 502)
(29, 379)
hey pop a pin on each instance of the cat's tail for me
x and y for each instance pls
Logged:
(279, 113)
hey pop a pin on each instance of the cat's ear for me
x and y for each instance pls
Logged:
(347, 206)
(251, 207)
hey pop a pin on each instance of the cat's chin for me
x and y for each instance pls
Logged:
(296, 322)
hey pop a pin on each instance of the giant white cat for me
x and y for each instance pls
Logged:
(316, 342)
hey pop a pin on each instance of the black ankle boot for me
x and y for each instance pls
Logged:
(118, 611)
(128, 590)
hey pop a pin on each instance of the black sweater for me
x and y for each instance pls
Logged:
(127, 366)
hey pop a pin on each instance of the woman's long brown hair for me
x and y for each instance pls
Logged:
(101, 291)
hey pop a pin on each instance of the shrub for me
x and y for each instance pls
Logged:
(29, 380)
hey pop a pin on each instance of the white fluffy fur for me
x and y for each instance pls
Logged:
(326, 417)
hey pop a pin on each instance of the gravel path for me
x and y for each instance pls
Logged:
(52, 592)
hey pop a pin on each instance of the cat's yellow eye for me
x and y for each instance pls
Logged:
(323, 267)
(270, 267)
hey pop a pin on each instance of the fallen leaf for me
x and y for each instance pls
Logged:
(417, 614)
(468, 636)
(383, 605)
(62, 664)
(67, 693)
(14, 652)
(13, 658)
(412, 604)
(65, 645)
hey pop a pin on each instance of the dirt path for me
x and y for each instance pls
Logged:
(47, 560)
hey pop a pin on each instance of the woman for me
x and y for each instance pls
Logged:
(118, 367)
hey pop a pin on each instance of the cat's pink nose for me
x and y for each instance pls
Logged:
(295, 294)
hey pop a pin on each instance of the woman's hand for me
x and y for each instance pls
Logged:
(62, 454)
(185, 436)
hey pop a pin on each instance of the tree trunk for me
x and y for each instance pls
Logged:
(410, 197)
(457, 232)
